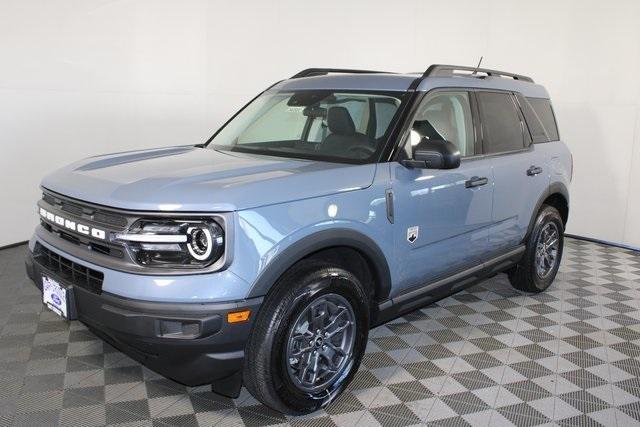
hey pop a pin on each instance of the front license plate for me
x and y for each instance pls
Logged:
(55, 297)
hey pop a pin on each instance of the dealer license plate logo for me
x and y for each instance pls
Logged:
(54, 296)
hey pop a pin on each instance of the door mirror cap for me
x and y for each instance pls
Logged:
(434, 154)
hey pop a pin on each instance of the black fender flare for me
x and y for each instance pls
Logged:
(323, 240)
(554, 188)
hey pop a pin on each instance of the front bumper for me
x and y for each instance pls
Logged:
(191, 343)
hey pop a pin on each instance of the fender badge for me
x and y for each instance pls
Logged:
(412, 233)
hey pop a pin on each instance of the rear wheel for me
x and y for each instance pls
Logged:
(308, 339)
(539, 265)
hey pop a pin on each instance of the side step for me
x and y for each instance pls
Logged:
(434, 291)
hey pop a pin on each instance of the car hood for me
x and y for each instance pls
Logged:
(190, 179)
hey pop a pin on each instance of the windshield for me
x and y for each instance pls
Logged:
(341, 126)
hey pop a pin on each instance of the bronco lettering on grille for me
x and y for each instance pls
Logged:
(72, 225)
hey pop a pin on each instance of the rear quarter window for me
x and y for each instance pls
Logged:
(541, 114)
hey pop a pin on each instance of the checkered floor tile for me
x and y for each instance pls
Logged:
(487, 356)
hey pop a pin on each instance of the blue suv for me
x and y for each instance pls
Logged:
(332, 202)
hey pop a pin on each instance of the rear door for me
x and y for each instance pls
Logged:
(442, 217)
(521, 172)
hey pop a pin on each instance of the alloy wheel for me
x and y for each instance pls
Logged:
(320, 343)
(547, 250)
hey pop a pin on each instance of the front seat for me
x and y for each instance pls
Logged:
(343, 133)
(441, 120)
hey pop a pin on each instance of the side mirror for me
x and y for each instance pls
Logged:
(434, 154)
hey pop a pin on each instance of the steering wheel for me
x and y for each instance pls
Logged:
(363, 149)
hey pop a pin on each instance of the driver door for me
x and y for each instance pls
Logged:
(442, 217)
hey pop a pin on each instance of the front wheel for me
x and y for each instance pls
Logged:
(539, 265)
(308, 339)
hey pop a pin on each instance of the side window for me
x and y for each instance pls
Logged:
(501, 125)
(445, 115)
(544, 112)
(535, 126)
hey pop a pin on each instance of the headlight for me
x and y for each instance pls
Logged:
(174, 243)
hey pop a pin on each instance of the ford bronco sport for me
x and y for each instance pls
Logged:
(332, 202)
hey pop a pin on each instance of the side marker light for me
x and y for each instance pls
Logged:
(238, 316)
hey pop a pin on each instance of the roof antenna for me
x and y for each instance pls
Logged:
(477, 66)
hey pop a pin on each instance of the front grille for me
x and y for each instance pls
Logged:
(81, 241)
(68, 270)
(85, 211)
(49, 199)
(72, 209)
(118, 221)
(87, 214)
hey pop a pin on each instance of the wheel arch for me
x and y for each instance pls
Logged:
(556, 196)
(346, 247)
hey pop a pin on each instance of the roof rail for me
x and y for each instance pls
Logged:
(309, 72)
(441, 70)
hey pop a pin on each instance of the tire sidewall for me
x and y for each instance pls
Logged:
(312, 285)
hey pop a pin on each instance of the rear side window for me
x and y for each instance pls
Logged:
(501, 125)
(534, 124)
(544, 113)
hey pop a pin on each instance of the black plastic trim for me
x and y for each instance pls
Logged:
(440, 288)
(476, 181)
(324, 240)
(444, 70)
(310, 72)
(214, 354)
(554, 188)
(477, 125)
(388, 193)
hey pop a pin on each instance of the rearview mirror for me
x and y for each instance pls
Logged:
(434, 154)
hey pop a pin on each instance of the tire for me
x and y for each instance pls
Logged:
(272, 369)
(528, 275)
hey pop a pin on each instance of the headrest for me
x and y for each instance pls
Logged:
(340, 122)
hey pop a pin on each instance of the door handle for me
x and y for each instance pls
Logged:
(475, 181)
(534, 170)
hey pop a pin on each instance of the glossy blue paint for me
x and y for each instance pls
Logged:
(266, 231)
(198, 288)
(560, 163)
(188, 179)
(515, 195)
(453, 220)
(277, 202)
